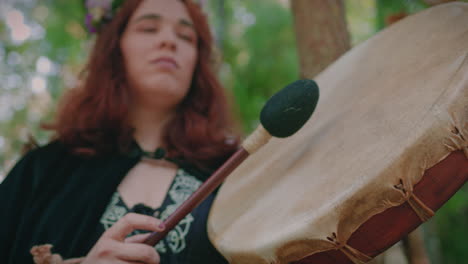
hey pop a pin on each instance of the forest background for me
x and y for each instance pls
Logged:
(43, 46)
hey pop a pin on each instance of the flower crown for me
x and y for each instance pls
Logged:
(100, 12)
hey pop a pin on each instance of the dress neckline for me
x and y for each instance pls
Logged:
(143, 208)
(137, 151)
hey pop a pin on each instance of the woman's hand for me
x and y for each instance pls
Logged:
(113, 247)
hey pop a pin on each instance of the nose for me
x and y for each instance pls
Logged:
(167, 39)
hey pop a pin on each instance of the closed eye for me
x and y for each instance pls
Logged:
(187, 37)
(148, 29)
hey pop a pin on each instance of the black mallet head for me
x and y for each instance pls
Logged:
(289, 109)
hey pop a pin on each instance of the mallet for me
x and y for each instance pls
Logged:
(283, 115)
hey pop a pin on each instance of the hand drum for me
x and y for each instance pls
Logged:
(385, 148)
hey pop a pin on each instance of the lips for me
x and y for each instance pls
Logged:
(166, 62)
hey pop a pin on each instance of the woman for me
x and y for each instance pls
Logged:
(99, 184)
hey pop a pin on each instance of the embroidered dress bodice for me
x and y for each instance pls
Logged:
(182, 186)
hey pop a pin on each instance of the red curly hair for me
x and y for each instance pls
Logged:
(93, 118)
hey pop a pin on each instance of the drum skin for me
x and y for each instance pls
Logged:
(386, 147)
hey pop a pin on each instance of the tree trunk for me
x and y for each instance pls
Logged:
(321, 33)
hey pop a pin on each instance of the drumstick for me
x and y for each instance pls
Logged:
(283, 115)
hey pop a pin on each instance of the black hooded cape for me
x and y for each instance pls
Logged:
(54, 197)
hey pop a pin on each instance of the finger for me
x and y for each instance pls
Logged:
(137, 238)
(130, 222)
(138, 253)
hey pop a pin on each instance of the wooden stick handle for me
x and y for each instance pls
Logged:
(255, 141)
(199, 195)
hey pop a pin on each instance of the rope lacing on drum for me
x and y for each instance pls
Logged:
(422, 210)
(354, 255)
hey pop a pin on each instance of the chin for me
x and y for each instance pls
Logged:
(162, 93)
(165, 81)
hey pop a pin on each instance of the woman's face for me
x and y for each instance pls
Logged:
(159, 48)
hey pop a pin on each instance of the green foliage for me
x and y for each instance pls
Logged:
(452, 228)
(361, 17)
(28, 96)
(260, 55)
(388, 8)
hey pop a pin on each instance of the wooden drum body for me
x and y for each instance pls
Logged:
(386, 147)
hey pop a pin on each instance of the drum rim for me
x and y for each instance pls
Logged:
(432, 189)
